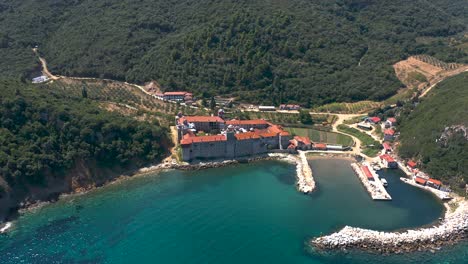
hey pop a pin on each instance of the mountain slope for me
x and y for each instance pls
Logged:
(311, 52)
(50, 144)
(436, 132)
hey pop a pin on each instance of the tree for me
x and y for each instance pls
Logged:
(305, 117)
(84, 92)
(212, 103)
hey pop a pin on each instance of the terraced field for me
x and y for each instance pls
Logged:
(349, 108)
(321, 136)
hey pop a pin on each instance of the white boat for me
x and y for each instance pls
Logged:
(384, 182)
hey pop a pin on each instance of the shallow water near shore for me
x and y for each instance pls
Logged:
(245, 213)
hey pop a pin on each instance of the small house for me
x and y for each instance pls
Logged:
(434, 183)
(411, 164)
(386, 146)
(389, 134)
(391, 121)
(420, 181)
(302, 143)
(374, 119)
(388, 161)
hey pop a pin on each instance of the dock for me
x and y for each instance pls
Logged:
(375, 188)
(305, 183)
(440, 194)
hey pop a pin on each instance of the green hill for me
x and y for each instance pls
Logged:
(435, 133)
(310, 52)
(51, 144)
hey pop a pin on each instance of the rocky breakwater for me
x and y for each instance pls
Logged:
(305, 182)
(453, 228)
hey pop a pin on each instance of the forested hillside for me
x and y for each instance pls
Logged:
(52, 143)
(435, 132)
(310, 52)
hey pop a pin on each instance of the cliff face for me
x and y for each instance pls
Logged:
(83, 176)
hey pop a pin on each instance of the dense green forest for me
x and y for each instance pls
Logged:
(309, 52)
(44, 135)
(435, 131)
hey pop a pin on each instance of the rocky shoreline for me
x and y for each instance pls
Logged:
(453, 228)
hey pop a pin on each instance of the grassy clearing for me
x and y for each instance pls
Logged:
(290, 118)
(370, 146)
(321, 136)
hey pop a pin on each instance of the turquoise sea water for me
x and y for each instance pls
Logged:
(248, 213)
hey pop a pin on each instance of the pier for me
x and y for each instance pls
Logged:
(375, 188)
(440, 194)
(305, 183)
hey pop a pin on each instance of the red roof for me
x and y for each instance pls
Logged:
(175, 93)
(391, 119)
(386, 146)
(247, 122)
(367, 172)
(190, 140)
(420, 180)
(411, 163)
(436, 182)
(304, 140)
(389, 132)
(201, 119)
(247, 135)
(387, 157)
(375, 119)
(320, 146)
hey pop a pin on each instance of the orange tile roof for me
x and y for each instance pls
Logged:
(435, 181)
(175, 93)
(320, 146)
(304, 140)
(247, 122)
(411, 163)
(420, 180)
(189, 140)
(268, 134)
(367, 172)
(386, 146)
(201, 119)
(387, 157)
(247, 135)
(391, 119)
(389, 132)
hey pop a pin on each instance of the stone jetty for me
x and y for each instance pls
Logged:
(375, 188)
(305, 182)
(450, 230)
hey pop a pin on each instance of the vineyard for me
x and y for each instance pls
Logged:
(349, 108)
(437, 63)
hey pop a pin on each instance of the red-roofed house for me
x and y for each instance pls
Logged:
(420, 180)
(391, 121)
(411, 164)
(389, 134)
(374, 119)
(302, 143)
(176, 96)
(434, 183)
(387, 147)
(388, 161)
